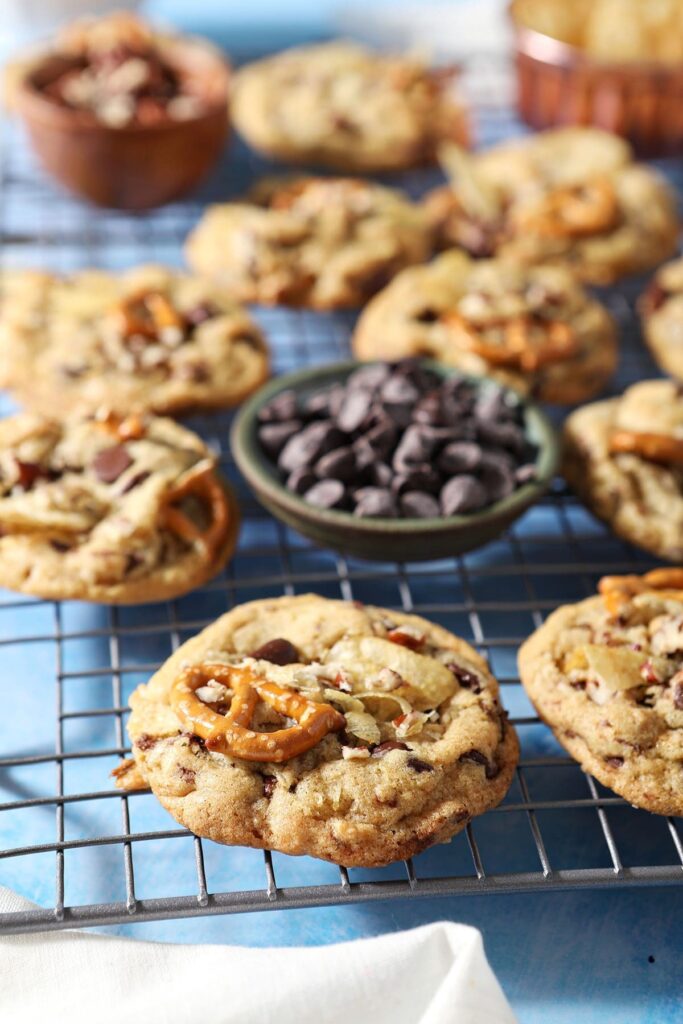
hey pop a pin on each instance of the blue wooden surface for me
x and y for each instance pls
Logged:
(602, 957)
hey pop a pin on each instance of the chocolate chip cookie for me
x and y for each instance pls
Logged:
(624, 458)
(343, 106)
(571, 197)
(607, 676)
(326, 243)
(661, 309)
(150, 339)
(111, 509)
(322, 727)
(533, 328)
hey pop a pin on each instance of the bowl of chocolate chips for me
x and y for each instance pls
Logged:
(120, 114)
(406, 461)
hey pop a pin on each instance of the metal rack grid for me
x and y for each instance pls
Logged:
(557, 828)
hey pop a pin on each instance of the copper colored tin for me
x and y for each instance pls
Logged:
(134, 167)
(558, 84)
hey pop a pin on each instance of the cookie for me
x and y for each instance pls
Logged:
(343, 106)
(571, 197)
(398, 739)
(110, 509)
(661, 309)
(150, 339)
(606, 675)
(324, 243)
(624, 458)
(533, 328)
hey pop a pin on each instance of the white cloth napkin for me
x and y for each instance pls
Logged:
(437, 974)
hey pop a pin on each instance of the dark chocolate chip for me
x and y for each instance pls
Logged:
(459, 457)
(383, 748)
(497, 476)
(677, 696)
(327, 494)
(419, 505)
(135, 480)
(369, 377)
(200, 314)
(283, 407)
(417, 478)
(353, 410)
(525, 474)
(325, 403)
(300, 480)
(506, 435)
(492, 404)
(278, 652)
(381, 474)
(269, 784)
(419, 766)
(426, 316)
(274, 436)
(309, 444)
(462, 494)
(375, 503)
(145, 742)
(467, 679)
(110, 463)
(614, 762)
(491, 769)
(340, 464)
(29, 472)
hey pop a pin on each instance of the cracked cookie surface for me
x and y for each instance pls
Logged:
(122, 511)
(571, 197)
(610, 686)
(343, 106)
(150, 339)
(422, 747)
(639, 497)
(532, 328)
(326, 243)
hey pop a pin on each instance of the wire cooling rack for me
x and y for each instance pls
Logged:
(88, 855)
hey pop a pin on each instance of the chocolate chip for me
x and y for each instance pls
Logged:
(466, 678)
(135, 481)
(614, 762)
(419, 505)
(383, 748)
(282, 407)
(60, 546)
(340, 464)
(525, 474)
(381, 474)
(353, 411)
(309, 444)
(497, 476)
(200, 314)
(274, 436)
(197, 372)
(278, 652)
(375, 503)
(327, 494)
(369, 377)
(459, 457)
(426, 316)
(462, 494)
(145, 742)
(29, 472)
(269, 784)
(325, 403)
(300, 480)
(491, 769)
(506, 435)
(419, 766)
(677, 696)
(110, 463)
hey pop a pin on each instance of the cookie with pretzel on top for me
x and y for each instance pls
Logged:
(121, 510)
(569, 197)
(151, 339)
(606, 675)
(322, 727)
(532, 328)
(624, 458)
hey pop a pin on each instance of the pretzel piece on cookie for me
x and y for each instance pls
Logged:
(231, 733)
(618, 590)
(526, 342)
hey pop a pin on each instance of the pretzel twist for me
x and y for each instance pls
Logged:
(528, 342)
(231, 733)
(202, 483)
(147, 313)
(617, 591)
(575, 210)
(654, 447)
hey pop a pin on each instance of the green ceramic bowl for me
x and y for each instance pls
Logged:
(402, 540)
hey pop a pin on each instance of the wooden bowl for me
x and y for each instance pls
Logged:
(559, 84)
(135, 167)
(394, 540)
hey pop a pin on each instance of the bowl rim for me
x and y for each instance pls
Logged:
(30, 102)
(548, 50)
(259, 474)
